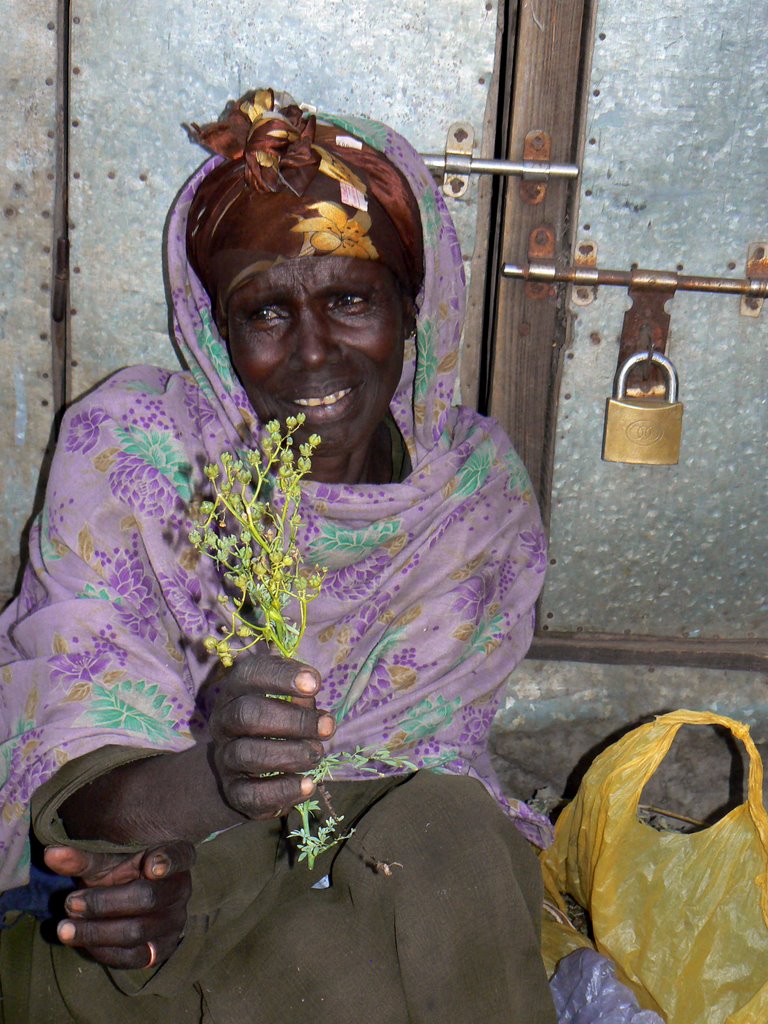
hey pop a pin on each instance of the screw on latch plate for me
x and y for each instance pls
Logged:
(757, 270)
(541, 253)
(537, 147)
(585, 256)
(458, 158)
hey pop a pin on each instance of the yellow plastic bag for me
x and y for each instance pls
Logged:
(685, 917)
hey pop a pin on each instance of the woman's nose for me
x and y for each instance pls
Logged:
(314, 343)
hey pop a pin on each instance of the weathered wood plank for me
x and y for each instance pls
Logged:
(529, 333)
(606, 648)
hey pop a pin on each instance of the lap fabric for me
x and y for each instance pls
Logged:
(431, 916)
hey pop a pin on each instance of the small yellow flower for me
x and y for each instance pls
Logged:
(333, 232)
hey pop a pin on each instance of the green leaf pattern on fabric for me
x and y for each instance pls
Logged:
(138, 707)
(519, 481)
(214, 351)
(372, 132)
(475, 470)
(47, 549)
(23, 725)
(159, 449)
(430, 212)
(438, 761)
(487, 637)
(202, 382)
(334, 540)
(99, 594)
(355, 692)
(143, 387)
(426, 359)
(428, 718)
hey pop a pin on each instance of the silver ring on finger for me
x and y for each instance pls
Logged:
(152, 949)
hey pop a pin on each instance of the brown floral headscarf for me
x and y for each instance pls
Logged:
(292, 187)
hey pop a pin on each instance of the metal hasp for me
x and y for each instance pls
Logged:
(645, 329)
(645, 430)
(646, 322)
(457, 163)
(754, 286)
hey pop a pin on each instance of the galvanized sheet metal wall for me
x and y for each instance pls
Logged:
(139, 72)
(27, 81)
(418, 66)
(674, 174)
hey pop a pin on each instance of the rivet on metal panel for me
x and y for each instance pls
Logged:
(541, 253)
(458, 158)
(537, 148)
(757, 270)
(585, 256)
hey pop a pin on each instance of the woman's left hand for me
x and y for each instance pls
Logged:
(132, 909)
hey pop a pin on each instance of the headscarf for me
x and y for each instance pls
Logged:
(291, 188)
(427, 607)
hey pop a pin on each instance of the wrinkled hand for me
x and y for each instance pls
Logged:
(255, 735)
(127, 901)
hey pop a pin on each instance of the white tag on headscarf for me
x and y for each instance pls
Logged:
(348, 142)
(352, 196)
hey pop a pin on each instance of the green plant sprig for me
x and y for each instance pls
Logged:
(328, 835)
(263, 566)
(261, 562)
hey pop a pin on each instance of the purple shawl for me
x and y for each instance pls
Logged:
(426, 610)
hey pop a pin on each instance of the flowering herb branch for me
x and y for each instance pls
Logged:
(267, 587)
(261, 563)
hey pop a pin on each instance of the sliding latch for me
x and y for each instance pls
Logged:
(457, 163)
(753, 287)
(646, 322)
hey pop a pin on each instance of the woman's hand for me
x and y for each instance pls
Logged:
(261, 744)
(132, 909)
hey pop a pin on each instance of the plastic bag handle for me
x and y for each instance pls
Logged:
(647, 747)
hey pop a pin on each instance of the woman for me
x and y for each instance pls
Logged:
(314, 268)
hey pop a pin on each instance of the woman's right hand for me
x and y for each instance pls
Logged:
(132, 908)
(255, 734)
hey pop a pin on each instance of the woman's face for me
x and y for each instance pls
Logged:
(324, 337)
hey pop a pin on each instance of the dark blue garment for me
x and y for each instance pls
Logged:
(39, 897)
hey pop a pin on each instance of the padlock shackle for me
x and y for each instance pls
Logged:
(644, 357)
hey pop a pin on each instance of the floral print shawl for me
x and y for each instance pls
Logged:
(426, 609)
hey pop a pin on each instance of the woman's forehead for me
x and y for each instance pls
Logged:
(315, 274)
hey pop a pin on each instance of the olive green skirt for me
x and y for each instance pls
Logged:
(429, 913)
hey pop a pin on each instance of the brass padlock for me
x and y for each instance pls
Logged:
(644, 430)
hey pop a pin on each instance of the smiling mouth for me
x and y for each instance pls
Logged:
(326, 400)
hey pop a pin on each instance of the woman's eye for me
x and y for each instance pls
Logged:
(264, 314)
(348, 300)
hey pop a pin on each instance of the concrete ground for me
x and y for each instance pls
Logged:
(558, 716)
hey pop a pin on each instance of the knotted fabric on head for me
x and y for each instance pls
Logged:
(292, 187)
